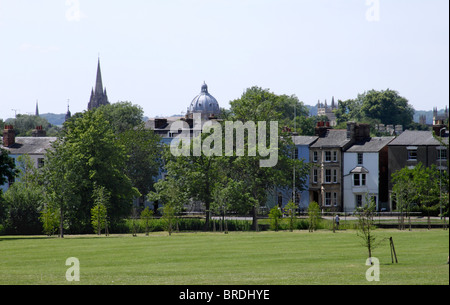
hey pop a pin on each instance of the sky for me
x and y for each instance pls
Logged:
(157, 53)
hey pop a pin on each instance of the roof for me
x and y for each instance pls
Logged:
(304, 140)
(30, 145)
(371, 145)
(333, 138)
(418, 138)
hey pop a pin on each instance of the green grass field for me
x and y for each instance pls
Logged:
(237, 258)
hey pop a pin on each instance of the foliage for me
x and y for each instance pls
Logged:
(385, 107)
(88, 155)
(25, 124)
(99, 212)
(7, 167)
(275, 215)
(418, 186)
(313, 216)
(146, 216)
(50, 220)
(290, 210)
(366, 225)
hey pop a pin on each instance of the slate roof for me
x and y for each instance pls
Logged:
(30, 145)
(371, 145)
(417, 138)
(304, 140)
(333, 138)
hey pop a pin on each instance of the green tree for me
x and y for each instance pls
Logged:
(313, 216)
(99, 212)
(366, 226)
(7, 167)
(146, 216)
(89, 154)
(143, 148)
(24, 199)
(50, 220)
(260, 105)
(374, 107)
(275, 215)
(290, 210)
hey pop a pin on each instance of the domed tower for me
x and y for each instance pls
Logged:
(205, 104)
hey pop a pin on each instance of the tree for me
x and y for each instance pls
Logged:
(313, 216)
(7, 167)
(23, 200)
(388, 107)
(99, 212)
(143, 148)
(88, 155)
(290, 209)
(374, 107)
(260, 105)
(146, 216)
(50, 220)
(275, 215)
(366, 226)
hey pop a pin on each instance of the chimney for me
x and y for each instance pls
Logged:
(437, 129)
(357, 132)
(9, 136)
(39, 132)
(321, 129)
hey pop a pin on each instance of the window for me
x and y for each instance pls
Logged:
(359, 179)
(335, 156)
(315, 156)
(335, 200)
(328, 156)
(296, 153)
(412, 155)
(40, 162)
(315, 175)
(441, 154)
(360, 158)
(358, 200)
(335, 176)
(328, 176)
(327, 199)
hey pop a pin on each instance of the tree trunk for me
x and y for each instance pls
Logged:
(61, 222)
(255, 219)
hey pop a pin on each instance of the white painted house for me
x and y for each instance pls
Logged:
(35, 147)
(365, 173)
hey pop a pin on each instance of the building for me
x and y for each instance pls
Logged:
(324, 110)
(98, 96)
(326, 155)
(439, 119)
(366, 173)
(413, 147)
(281, 197)
(204, 104)
(35, 147)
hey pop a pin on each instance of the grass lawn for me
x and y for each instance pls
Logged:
(237, 258)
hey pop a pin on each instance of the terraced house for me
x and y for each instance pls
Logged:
(327, 158)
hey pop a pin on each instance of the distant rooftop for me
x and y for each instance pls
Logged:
(371, 145)
(30, 145)
(417, 137)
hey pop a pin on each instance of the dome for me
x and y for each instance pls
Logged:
(204, 103)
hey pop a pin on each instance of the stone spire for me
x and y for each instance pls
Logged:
(98, 96)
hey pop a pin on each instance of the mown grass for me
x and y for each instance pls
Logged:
(240, 258)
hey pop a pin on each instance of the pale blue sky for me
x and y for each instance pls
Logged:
(157, 53)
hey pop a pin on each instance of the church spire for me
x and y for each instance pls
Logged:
(37, 109)
(98, 95)
(98, 82)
